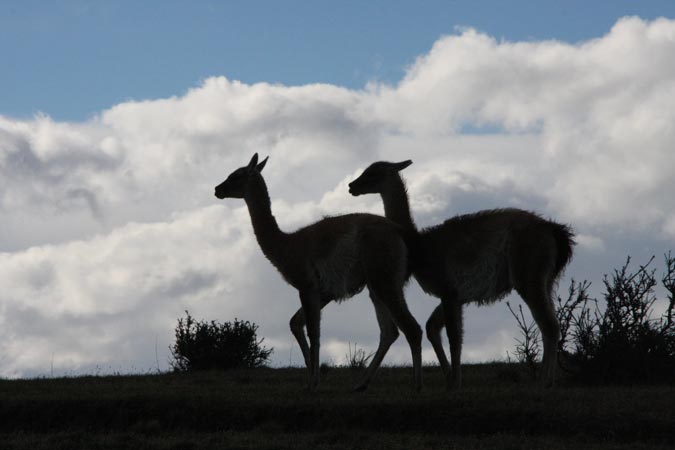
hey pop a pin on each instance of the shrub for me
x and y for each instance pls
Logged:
(528, 347)
(202, 345)
(623, 343)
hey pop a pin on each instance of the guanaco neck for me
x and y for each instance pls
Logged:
(396, 206)
(265, 226)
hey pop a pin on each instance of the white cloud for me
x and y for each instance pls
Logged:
(110, 230)
(108, 291)
(592, 243)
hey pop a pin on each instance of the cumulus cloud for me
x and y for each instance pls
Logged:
(109, 228)
(599, 111)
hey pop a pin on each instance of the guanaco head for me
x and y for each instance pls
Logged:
(234, 185)
(373, 180)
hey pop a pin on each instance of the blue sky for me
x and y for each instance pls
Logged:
(72, 59)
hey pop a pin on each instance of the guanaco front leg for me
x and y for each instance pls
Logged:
(311, 309)
(298, 329)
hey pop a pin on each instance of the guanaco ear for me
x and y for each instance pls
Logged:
(261, 166)
(253, 162)
(402, 165)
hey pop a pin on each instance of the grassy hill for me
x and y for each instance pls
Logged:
(499, 408)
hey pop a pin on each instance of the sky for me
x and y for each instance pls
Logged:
(117, 121)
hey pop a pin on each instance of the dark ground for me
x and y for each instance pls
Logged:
(499, 407)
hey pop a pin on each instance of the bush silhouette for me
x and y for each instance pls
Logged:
(202, 345)
(622, 342)
(528, 348)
